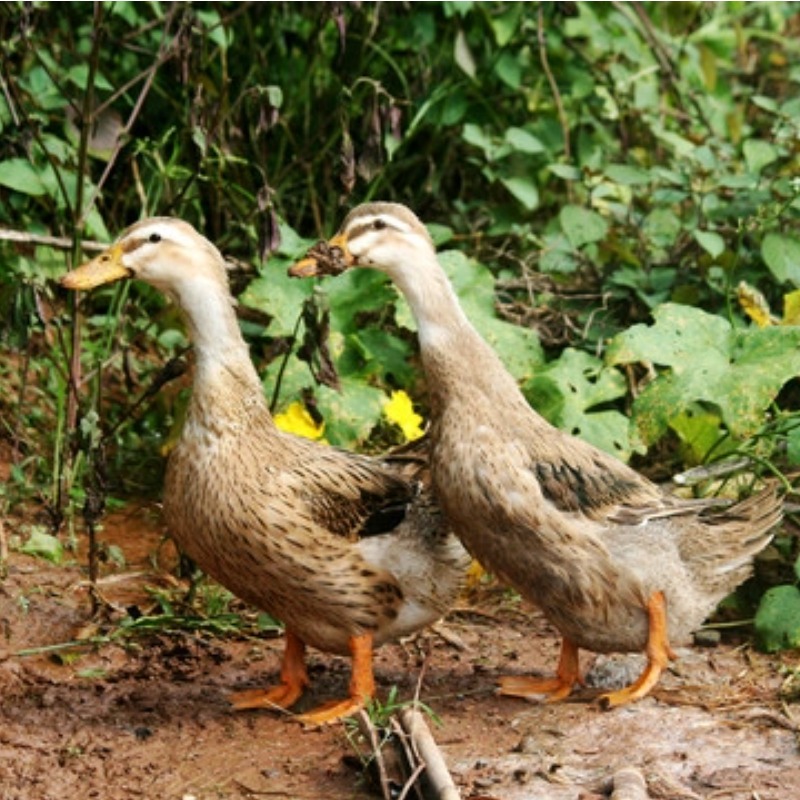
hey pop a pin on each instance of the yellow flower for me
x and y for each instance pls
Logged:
(754, 304)
(400, 410)
(298, 421)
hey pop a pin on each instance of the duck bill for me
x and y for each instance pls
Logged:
(105, 268)
(325, 258)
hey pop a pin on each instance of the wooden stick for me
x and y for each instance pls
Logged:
(629, 784)
(60, 242)
(438, 775)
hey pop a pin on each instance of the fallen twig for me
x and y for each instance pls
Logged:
(428, 752)
(59, 242)
(629, 784)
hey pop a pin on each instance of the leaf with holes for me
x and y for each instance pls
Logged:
(704, 359)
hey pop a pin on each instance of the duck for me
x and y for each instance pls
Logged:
(348, 551)
(615, 562)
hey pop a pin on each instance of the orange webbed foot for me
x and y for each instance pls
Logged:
(362, 687)
(658, 655)
(550, 689)
(294, 680)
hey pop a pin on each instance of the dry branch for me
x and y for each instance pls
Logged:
(60, 242)
(425, 747)
(629, 784)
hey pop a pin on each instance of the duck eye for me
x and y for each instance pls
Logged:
(379, 224)
(155, 238)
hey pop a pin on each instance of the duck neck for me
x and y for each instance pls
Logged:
(449, 343)
(223, 358)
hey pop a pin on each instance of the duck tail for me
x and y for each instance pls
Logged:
(743, 530)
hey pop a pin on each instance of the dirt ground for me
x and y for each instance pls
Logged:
(149, 717)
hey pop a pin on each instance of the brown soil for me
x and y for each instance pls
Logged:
(148, 717)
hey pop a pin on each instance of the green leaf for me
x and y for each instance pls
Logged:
(19, 175)
(759, 154)
(777, 621)
(661, 227)
(350, 415)
(463, 55)
(567, 389)
(700, 432)
(43, 545)
(565, 171)
(523, 142)
(627, 175)
(279, 296)
(581, 225)
(740, 372)
(781, 254)
(711, 242)
(793, 447)
(524, 190)
(474, 135)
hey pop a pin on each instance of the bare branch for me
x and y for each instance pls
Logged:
(59, 242)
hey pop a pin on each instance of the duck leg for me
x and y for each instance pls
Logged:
(294, 680)
(554, 689)
(362, 686)
(658, 655)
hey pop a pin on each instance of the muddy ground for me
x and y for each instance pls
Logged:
(148, 716)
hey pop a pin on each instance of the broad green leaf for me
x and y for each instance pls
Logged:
(627, 175)
(381, 355)
(350, 415)
(700, 432)
(505, 25)
(357, 296)
(662, 227)
(509, 69)
(738, 371)
(581, 225)
(759, 154)
(781, 254)
(279, 296)
(43, 545)
(777, 621)
(565, 171)
(566, 391)
(524, 189)
(711, 242)
(19, 175)
(523, 142)
(475, 135)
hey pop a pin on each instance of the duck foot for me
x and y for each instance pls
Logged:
(362, 687)
(294, 680)
(658, 655)
(553, 689)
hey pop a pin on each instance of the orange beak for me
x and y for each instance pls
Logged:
(325, 258)
(105, 268)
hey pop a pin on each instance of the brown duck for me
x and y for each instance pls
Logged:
(615, 564)
(348, 551)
